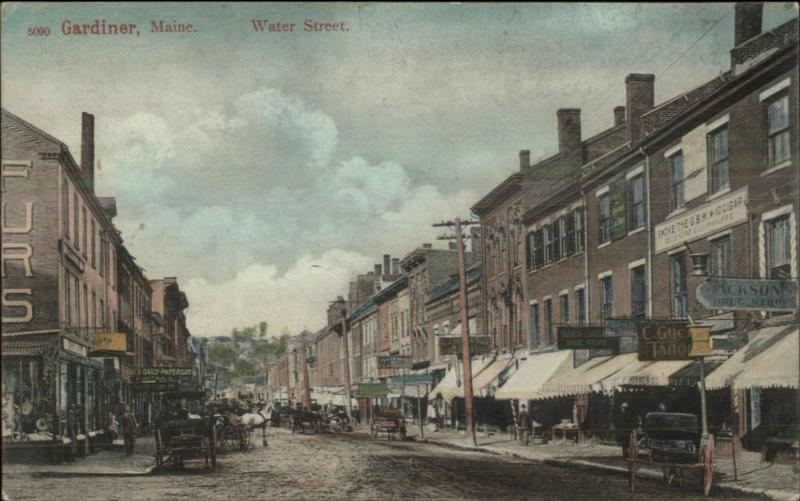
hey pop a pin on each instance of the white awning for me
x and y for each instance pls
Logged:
(485, 384)
(769, 360)
(526, 383)
(451, 386)
(644, 373)
(586, 378)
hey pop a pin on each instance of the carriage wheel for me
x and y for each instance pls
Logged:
(708, 469)
(633, 453)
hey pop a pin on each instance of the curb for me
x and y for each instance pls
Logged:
(776, 494)
(66, 474)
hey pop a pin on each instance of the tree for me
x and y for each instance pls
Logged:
(262, 330)
(221, 354)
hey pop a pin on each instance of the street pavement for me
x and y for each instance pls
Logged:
(344, 466)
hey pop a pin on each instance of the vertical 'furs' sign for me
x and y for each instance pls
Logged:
(16, 255)
(664, 340)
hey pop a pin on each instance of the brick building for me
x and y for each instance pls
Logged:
(59, 281)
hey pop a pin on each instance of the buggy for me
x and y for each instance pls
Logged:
(180, 435)
(389, 421)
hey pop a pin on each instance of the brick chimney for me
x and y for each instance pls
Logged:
(87, 149)
(395, 266)
(639, 99)
(619, 115)
(569, 136)
(747, 21)
(387, 267)
(524, 159)
(378, 270)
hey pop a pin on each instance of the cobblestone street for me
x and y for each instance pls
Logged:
(347, 466)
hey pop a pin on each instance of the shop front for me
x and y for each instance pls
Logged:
(53, 397)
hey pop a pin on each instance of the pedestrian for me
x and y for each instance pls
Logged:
(624, 424)
(129, 426)
(524, 422)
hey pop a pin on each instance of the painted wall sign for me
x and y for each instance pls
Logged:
(664, 340)
(712, 217)
(748, 294)
(73, 347)
(585, 337)
(166, 371)
(17, 302)
(394, 362)
(372, 390)
(109, 342)
(451, 345)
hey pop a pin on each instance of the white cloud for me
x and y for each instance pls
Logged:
(296, 299)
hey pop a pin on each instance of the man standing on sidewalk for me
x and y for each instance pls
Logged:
(624, 424)
(129, 426)
(524, 422)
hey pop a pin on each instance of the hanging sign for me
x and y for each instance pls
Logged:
(664, 340)
(748, 294)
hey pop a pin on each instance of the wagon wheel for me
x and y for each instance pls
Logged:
(633, 453)
(708, 468)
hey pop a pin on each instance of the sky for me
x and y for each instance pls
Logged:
(266, 169)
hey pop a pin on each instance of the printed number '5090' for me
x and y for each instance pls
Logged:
(39, 31)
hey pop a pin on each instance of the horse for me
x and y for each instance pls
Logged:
(260, 419)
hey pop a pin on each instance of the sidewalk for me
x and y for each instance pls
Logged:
(776, 481)
(112, 462)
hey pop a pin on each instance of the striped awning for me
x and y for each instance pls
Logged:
(26, 347)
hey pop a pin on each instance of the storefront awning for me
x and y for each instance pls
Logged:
(26, 347)
(644, 373)
(451, 386)
(485, 384)
(527, 382)
(586, 378)
(769, 360)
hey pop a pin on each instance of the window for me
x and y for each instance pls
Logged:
(636, 198)
(538, 248)
(678, 286)
(675, 163)
(580, 306)
(536, 334)
(85, 315)
(548, 320)
(605, 218)
(778, 235)
(77, 289)
(94, 245)
(84, 230)
(65, 207)
(564, 308)
(607, 297)
(580, 237)
(548, 244)
(68, 302)
(718, 159)
(75, 221)
(557, 237)
(720, 259)
(638, 292)
(569, 234)
(778, 141)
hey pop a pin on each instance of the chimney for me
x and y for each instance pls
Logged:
(395, 266)
(387, 259)
(524, 159)
(569, 136)
(639, 99)
(378, 270)
(747, 21)
(87, 149)
(619, 115)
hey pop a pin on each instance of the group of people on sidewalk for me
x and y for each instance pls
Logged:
(129, 428)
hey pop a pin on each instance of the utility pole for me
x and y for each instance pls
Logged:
(462, 300)
(304, 368)
(346, 362)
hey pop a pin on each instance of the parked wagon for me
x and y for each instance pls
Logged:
(674, 442)
(180, 435)
(390, 422)
(302, 419)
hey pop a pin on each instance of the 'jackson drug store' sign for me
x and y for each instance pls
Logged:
(705, 220)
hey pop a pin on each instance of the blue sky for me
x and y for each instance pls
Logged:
(239, 159)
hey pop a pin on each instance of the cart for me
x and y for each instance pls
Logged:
(301, 418)
(180, 437)
(233, 435)
(390, 422)
(673, 442)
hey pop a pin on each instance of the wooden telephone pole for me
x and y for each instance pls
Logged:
(304, 363)
(462, 300)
